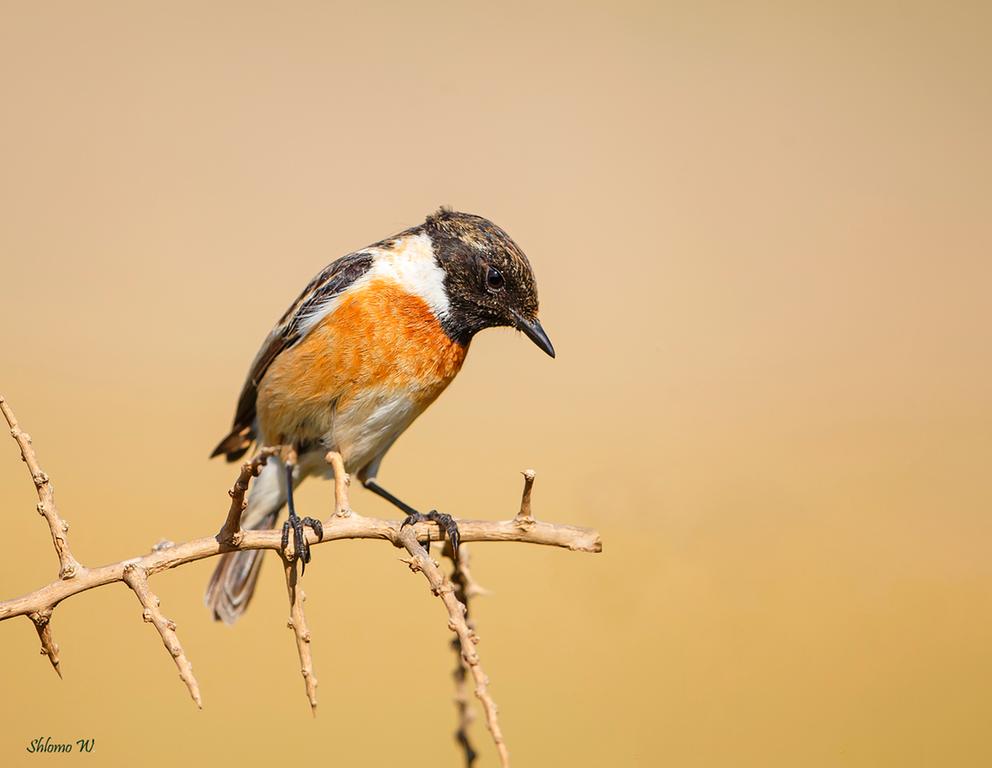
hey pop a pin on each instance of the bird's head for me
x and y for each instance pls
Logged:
(488, 279)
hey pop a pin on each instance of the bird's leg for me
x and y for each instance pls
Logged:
(444, 522)
(301, 548)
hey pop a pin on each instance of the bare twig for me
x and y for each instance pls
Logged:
(230, 532)
(298, 623)
(68, 565)
(442, 587)
(524, 517)
(137, 580)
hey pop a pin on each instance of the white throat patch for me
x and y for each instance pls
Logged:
(410, 263)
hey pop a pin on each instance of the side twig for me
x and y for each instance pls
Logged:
(342, 505)
(68, 565)
(524, 517)
(442, 587)
(297, 618)
(136, 578)
(230, 532)
(298, 623)
(465, 590)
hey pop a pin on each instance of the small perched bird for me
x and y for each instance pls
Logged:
(370, 343)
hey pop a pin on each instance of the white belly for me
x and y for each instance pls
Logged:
(363, 432)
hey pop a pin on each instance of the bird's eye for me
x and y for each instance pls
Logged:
(494, 279)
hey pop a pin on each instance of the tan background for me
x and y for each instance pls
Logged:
(762, 236)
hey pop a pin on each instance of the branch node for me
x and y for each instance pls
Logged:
(49, 647)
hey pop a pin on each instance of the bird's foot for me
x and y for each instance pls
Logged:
(301, 547)
(445, 522)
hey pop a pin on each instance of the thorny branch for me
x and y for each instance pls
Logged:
(343, 524)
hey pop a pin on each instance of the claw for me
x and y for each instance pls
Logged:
(318, 529)
(316, 525)
(455, 537)
(444, 522)
(301, 547)
(300, 542)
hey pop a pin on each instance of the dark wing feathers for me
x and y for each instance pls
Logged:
(330, 282)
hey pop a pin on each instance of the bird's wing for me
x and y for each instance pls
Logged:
(333, 280)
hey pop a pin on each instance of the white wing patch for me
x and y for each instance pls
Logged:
(410, 263)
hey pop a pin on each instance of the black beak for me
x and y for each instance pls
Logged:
(534, 332)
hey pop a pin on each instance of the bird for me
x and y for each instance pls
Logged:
(370, 343)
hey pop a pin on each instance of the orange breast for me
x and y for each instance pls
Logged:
(379, 339)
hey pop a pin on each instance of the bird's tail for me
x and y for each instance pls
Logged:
(234, 578)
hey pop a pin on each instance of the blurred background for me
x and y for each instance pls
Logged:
(762, 235)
